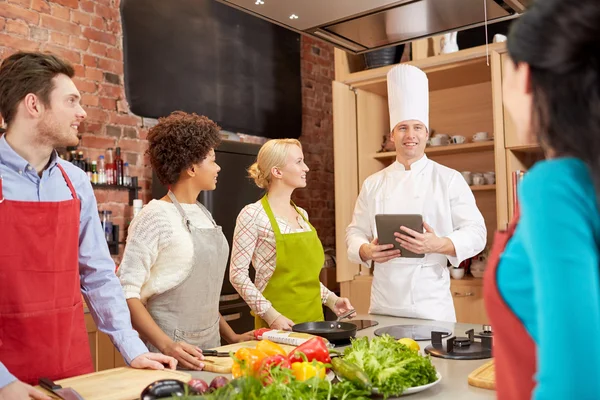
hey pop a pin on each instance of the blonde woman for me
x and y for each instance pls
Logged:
(275, 235)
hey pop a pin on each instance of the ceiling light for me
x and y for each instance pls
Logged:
(293, 16)
(259, 2)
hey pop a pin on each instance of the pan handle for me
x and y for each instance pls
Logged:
(345, 315)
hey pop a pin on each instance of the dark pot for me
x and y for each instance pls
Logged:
(381, 57)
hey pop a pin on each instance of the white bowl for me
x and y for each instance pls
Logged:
(457, 273)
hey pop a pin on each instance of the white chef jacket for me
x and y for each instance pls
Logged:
(417, 287)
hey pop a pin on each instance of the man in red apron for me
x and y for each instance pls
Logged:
(52, 246)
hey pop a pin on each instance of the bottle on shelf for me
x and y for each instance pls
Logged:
(81, 161)
(88, 168)
(106, 219)
(119, 167)
(94, 173)
(110, 167)
(126, 177)
(101, 170)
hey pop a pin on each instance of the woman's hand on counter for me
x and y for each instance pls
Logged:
(282, 323)
(153, 361)
(20, 390)
(244, 337)
(342, 306)
(187, 355)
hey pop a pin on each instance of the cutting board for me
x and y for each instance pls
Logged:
(119, 383)
(223, 365)
(484, 376)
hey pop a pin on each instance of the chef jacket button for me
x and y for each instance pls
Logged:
(20, 172)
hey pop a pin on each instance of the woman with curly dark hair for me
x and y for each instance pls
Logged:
(176, 255)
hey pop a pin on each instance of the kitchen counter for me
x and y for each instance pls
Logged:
(454, 373)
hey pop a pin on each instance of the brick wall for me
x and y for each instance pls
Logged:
(88, 33)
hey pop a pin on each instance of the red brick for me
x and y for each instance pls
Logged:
(11, 11)
(80, 43)
(41, 6)
(99, 23)
(90, 61)
(99, 36)
(57, 24)
(111, 66)
(104, 11)
(59, 38)
(93, 74)
(90, 127)
(87, 6)
(125, 119)
(97, 142)
(143, 134)
(85, 85)
(23, 3)
(122, 106)
(81, 18)
(2, 24)
(114, 26)
(101, 195)
(79, 69)
(39, 34)
(133, 145)
(98, 49)
(59, 11)
(115, 53)
(68, 3)
(112, 91)
(72, 56)
(108, 103)
(18, 43)
(96, 114)
(89, 100)
(17, 27)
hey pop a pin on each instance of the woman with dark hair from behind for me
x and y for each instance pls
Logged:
(542, 290)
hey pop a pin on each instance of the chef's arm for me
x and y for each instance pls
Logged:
(469, 235)
(447, 247)
(99, 283)
(359, 232)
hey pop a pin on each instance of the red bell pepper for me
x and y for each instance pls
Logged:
(259, 332)
(265, 368)
(313, 349)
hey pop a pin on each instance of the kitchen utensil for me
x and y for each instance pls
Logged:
(223, 365)
(480, 136)
(458, 139)
(490, 177)
(345, 315)
(118, 383)
(484, 377)
(215, 353)
(63, 393)
(415, 332)
(330, 330)
(468, 177)
(478, 179)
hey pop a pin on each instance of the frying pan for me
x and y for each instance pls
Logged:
(330, 330)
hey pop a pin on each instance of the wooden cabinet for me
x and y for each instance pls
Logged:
(465, 98)
(467, 294)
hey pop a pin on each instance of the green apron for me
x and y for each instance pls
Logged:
(294, 288)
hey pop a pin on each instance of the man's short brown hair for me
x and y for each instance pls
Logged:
(179, 141)
(23, 73)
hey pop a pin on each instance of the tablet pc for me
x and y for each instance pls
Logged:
(387, 224)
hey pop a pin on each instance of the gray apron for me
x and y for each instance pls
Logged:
(189, 312)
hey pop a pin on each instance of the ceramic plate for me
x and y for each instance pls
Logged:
(411, 390)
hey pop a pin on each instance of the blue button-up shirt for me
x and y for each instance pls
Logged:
(99, 283)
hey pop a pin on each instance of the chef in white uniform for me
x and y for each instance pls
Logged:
(413, 184)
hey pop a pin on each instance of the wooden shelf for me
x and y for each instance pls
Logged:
(526, 148)
(445, 150)
(480, 188)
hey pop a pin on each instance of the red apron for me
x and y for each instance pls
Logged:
(42, 326)
(514, 349)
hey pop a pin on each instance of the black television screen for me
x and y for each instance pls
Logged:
(206, 57)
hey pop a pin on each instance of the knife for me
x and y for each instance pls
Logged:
(215, 353)
(63, 393)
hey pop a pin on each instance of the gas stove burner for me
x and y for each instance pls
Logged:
(486, 332)
(460, 348)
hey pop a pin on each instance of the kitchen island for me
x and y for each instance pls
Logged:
(454, 373)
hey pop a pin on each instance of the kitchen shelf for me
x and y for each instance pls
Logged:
(133, 190)
(445, 150)
(479, 188)
(526, 148)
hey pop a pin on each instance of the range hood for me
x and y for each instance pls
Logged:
(359, 26)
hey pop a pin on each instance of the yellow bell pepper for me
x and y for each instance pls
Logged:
(270, 348)
(306, 370)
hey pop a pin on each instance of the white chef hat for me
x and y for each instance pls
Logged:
(408, 95)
